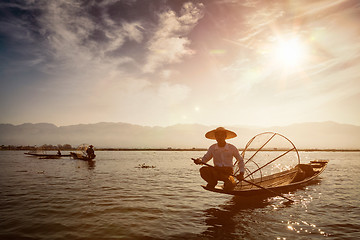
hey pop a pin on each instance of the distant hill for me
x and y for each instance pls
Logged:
(328, 135)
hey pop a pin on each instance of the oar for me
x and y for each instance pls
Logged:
(269, 190)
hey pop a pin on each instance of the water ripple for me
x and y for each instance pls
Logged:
(112, 199)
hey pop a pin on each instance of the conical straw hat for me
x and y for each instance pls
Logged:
(211, 134)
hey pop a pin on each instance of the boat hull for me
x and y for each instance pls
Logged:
(298, 177)
(47, 155)
(81, 157)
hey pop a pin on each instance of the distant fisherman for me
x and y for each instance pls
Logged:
(90, 152)
(222, 154)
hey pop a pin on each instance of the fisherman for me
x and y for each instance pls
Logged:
(59, 153)
(90, 152)
(222, 154)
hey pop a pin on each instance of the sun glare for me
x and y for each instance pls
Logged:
(290, 52)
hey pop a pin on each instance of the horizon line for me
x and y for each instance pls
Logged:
(165, 126)
(100, 149)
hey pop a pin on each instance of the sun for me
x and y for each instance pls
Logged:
(289, 52)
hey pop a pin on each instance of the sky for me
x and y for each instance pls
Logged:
(166, 62)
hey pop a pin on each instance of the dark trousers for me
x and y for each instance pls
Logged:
(214, 174)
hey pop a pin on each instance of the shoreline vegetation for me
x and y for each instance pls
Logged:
(68, 147)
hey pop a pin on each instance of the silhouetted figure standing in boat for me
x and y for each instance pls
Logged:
(90, 152)
(222, 154)
(58, 153)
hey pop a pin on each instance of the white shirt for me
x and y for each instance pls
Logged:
(223, 156)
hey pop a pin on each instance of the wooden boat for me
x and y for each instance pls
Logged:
(81, 156)
(284, 181)
(43, 155)
(266, 157)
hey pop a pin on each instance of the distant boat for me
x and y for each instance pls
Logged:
(44, 155)
(81, 153)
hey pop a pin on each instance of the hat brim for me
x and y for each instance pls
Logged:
(229, 134)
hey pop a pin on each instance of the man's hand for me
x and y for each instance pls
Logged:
(197, 161)
(240, 176)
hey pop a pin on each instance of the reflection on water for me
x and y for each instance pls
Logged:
(229, 221)
(304, 227)
(240, 218)
(85, 164)
(91, 164)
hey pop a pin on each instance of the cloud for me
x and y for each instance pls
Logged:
(74, 40)
(69, 29)
(169, 44)
(68, 36)
(134, 31)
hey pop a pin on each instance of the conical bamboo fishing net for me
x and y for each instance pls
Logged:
(268, 153)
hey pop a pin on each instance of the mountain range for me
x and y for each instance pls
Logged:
(315, 135)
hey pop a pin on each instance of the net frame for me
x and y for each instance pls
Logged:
(250, 174)
(81, 149)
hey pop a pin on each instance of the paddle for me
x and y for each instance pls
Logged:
(269, 190)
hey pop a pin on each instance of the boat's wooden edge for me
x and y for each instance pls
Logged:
(322, 168)
(47, 155)
(257, 193)
(219, 190)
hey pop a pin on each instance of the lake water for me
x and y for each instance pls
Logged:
(113, 199)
